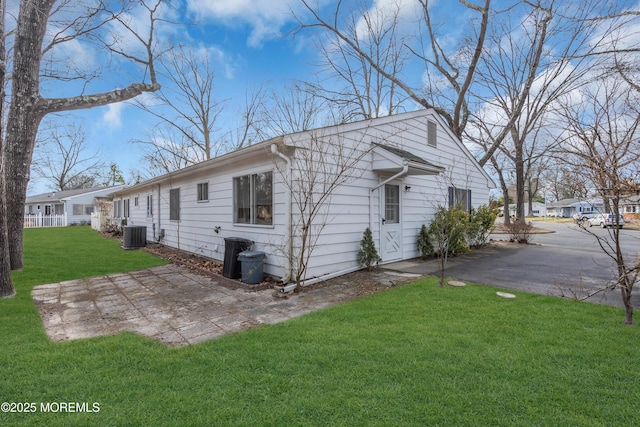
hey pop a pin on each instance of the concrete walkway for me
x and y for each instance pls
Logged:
(172, 305)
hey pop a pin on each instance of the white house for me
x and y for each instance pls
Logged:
(69, 206)
(538, 209)
(389, 174)
(567, 208)
(630, 206)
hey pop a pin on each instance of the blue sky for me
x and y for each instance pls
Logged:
(250, 44)
(249, 48)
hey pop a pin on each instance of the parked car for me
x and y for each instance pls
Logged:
(607, 220)
(583, 217)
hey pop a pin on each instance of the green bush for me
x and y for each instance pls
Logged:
(448, 231)
(424, 242)
(368, 255)
(480, 222)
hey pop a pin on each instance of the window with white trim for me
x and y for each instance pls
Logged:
(460, 198)
(174, 204)
(150, 206)
(203, 192)
(253, 199)
(432, 133)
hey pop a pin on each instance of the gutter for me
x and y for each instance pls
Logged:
(289, 237)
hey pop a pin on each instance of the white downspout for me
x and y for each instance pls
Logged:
(289, 237)
(404, 171)
(159, 216)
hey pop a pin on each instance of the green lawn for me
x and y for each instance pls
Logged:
(413, 355)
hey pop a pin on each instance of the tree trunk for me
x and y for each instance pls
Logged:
(23, 118)
(28, 108)
(6, 286)
(519, 162)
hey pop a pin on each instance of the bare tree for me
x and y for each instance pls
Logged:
(32, 66)
(294, 109)
(563, 178)
(61, 158)
(603, 134)
(457, 72)
(537, 52)
(363, 92)
(188, 129)
(186, 107)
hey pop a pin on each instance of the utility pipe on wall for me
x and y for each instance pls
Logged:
(289, 237)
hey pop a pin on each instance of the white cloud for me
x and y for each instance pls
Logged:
(381, 14)
(266, 17)
(113, 115)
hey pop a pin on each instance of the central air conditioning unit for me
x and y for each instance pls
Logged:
(134, 237)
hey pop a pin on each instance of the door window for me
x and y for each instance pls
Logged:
(392, 204)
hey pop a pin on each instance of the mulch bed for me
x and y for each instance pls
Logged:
(362, 282)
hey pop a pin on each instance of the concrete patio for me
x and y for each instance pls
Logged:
(177, 307)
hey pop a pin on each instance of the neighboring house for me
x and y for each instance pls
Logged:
(400, 169)
(70, 206)
(567, 208)
(630, 207)
(539, 209)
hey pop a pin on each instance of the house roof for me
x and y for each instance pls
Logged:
(213, 163)
(400, 158)
(58, 196)
(630, 199)
(565, 203)
(416, 164)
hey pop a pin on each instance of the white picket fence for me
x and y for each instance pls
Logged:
(38, 220)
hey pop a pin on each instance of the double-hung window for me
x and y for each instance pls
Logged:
(174, 204)
(203, 191)
(253, 199)
(460, 198)
(150, 206)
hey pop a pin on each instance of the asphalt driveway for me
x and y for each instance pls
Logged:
(566, 262)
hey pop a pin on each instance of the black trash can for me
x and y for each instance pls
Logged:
(252, 266)
(232, 247)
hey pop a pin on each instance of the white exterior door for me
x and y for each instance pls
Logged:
(391, 227)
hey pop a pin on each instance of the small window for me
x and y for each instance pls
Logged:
(174, 204)
(150, 206)
(203, 191)
(126, 208)
(253, 199)
(135, 202)
(460, 198)
(432, 133)
(392, 204)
